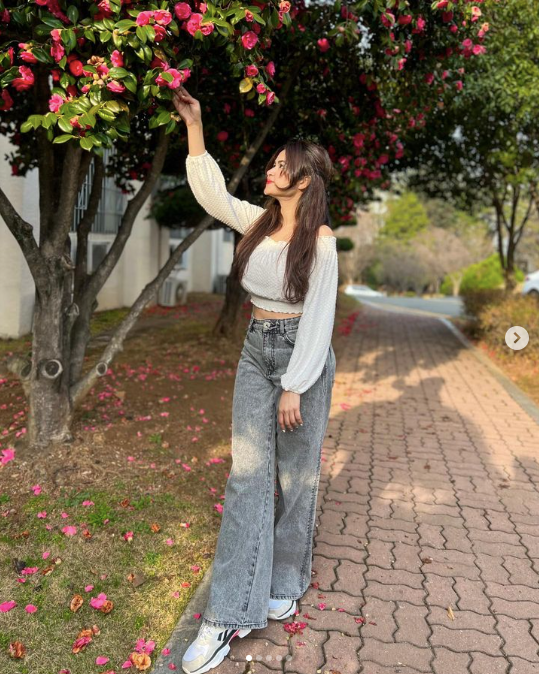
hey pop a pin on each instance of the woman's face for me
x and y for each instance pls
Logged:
(276, 176)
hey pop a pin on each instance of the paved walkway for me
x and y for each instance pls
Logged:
(427, 548)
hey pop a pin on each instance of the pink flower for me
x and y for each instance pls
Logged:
(270, 68)
(260, 88)
(6, 103)
(21, 84)
(404, 19)
(55, 102)
(97, 602)
(117, 59)
(178, 78)
(30, 608)
(458, 85)
(193, 24)
(249, 39)
(218, 507)
(182, 10)
(128, 536)
(88, 503)
(323, 44)
(116, 87)
(476, 13)
(29, 570)
(162, 17)
(429, 78)
(143, 18)
(251, 71)
(26, 54)
(9, 453)
(57, 51)
(101, 660)
(42, 514)
(222, 136)
(88, 588)
(69, 531)
(7, 606)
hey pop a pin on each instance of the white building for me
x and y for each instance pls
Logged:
(203, 267)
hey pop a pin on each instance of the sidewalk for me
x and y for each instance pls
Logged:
(428, 509)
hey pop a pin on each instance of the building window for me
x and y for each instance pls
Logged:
(111, 205)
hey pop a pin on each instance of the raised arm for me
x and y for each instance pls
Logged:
(204, 174)
(208, 185)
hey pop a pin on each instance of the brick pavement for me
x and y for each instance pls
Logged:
(427, 545)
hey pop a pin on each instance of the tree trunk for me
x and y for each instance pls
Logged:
(227, 324)
(50, 408)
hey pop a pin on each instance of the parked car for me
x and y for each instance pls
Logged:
(362, 290)
(531, 285)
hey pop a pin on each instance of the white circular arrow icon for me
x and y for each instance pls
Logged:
(517, 337)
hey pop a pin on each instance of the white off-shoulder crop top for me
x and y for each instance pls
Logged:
(264, 273)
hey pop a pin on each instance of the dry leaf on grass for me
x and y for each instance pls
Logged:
(141, 660)
(107, 607)
(17, 649)
(155, 527)
(76, 603)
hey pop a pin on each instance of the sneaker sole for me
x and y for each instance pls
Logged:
(219, 655)
(282, 616)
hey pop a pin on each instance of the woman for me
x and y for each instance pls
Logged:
(287, 261)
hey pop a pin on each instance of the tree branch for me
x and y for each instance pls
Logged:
(24, 235)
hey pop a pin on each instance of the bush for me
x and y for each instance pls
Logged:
(476, 301)
(484, 275)
(496, 319)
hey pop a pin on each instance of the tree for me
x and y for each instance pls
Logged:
(482, 148)
(113, 70)
(406, 217)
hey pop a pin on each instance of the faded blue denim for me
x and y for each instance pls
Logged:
(265, 550)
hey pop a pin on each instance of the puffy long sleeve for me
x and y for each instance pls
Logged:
(315, 328)
(207, 182)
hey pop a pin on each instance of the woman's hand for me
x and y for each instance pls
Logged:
(289, 416)
(187, 106)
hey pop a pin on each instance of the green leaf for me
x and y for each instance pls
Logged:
(89, 35)
(63, 138)
(105, 36)
(170, 127)
(73, 13)
(118, 73)
(52, 22)
(141, 34)
(86, 143)
(125, 24)
(26, 126)
(150, 32)
(130, 85)
(87, 118)
(163, 118)
(63, 123)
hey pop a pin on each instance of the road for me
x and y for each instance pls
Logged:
(446, 306)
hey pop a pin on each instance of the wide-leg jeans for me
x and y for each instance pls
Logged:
(265, 550)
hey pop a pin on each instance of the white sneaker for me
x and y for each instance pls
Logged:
(209, 648)
(279, 609)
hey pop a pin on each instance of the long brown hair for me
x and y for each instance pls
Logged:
(303, 158)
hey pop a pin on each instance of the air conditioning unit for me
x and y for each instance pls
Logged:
(168, 295)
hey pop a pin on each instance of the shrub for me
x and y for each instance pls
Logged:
(496, 319)
(484, 275)
(476, 301)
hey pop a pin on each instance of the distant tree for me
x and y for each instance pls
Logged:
(406, 217)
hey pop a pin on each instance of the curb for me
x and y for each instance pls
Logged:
(186, 629)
